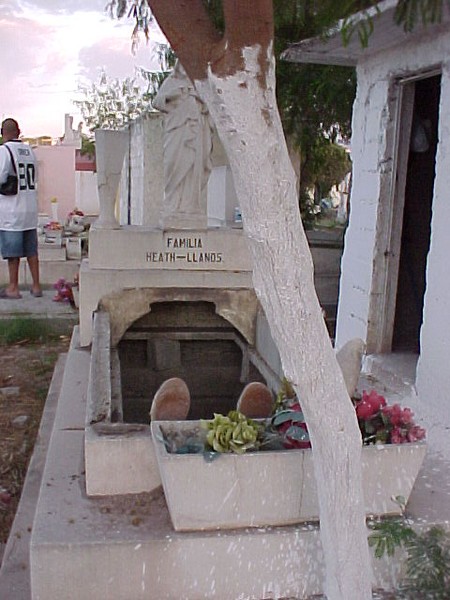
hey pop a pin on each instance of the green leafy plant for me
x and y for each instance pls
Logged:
(427, 575)
(231, 433)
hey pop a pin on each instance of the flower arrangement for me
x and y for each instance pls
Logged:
(75, 212)
(63, 291)
(380, 423)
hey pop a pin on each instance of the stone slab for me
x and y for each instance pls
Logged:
(51, 252)
(49, 270)
(120, 461)
(97, 283)
(132, 247)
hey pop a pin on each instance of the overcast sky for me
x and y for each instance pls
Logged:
(49, 47)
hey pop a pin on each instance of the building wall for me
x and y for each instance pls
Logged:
(86, 192)
(433, 374)
(56, 178)
(373, 122)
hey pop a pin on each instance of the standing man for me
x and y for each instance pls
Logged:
(18, 212)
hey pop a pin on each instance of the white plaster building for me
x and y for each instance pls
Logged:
(394, 289)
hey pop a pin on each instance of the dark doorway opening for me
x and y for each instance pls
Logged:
(416, 229)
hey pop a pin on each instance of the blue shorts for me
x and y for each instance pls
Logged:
(18, 244)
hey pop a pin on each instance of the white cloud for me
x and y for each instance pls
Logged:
(47, 53)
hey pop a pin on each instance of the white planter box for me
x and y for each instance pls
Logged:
(270, 487)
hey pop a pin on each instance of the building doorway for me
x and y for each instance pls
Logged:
(417, 210)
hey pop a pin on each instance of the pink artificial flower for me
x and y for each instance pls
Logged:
(416, 433)
(397, 437)
(407, 416)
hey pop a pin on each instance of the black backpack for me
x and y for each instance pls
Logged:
(10, 187)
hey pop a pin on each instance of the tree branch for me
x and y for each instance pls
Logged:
(190, 31)
(199, 45)
(248, 23)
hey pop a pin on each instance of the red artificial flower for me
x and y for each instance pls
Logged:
(369, 405)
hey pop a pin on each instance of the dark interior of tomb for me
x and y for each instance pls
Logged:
(187, 340)
(416, 230)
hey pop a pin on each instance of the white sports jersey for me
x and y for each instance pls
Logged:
(19, 212)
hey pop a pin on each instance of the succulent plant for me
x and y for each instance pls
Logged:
(231, 433)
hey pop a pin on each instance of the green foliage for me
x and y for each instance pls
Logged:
(138, 10)
(22, 330)
(327, 166)
(87, 145)
(428, 565)
(111, 103)
(231, 433)
(410, 13)
(428, 557)
(389, 535)
(315, 101)
(285, 394)
(363, 27)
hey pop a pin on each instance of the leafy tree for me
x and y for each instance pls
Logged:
(315, 101)
(112, 103)
(328, 165)
(410, 13)
(87, 145)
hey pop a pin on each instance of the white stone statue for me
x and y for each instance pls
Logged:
(187, 151)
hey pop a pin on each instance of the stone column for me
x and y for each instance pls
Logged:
(110, 148)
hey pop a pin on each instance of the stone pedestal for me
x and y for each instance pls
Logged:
(110, 152)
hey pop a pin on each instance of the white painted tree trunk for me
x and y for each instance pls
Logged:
(248, 123)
